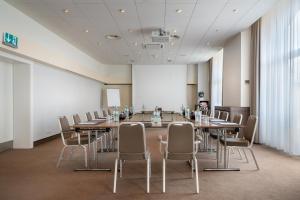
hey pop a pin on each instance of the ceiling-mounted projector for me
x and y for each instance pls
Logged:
(160, 36)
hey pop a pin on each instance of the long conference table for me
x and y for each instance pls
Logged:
(167, 117)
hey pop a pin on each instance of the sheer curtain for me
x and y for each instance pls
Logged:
(216, 80)
(280, 77)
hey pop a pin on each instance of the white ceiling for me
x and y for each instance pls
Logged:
(203, 26)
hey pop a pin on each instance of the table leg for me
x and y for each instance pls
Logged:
(88, 167)
(225, 149)
(217, 153)
(225, 168)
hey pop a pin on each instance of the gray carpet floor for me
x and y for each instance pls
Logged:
(32, 175)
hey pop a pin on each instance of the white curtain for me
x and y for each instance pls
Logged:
(280, 77)
(216, 80)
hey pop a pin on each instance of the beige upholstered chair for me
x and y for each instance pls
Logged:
(71, 139)
(77, 120)
(247, 141)
(132, 146)
(217, 114)
(224, 115)
(180, 145)
(89, 116)
(105, 114)
(238, 120)
(109, 112)
(97, 116)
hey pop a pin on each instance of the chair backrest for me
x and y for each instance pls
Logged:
(224, 115)
(66, 130)
(104, 113)
(132, 139)
(76, 119)
(208, 113)
(181, 138)
(238, 119)
(96, 115)
(89, 116)
(250, 130)
(217, 114)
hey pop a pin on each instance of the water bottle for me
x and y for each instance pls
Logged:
(198, 116)
(187, 113)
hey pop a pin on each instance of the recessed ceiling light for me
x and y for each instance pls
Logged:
(179, 10)
(235, 10)
(122, 10)
(86, 30)
(174, 31)
(112, 37)
(66, 10)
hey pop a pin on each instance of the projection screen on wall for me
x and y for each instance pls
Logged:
(159, 85)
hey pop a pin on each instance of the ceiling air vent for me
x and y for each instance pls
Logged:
(153, 46)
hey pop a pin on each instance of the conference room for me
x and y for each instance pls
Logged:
(149, 99)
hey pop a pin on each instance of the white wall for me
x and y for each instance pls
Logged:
(192, 74)
(22, 105)
(159, 85)
(236, 92)
(6, 102)
(232, 72)
(216, 82)
(203, 79)
(57, 92)
(38, 43)
(245, 67)
(119, 74)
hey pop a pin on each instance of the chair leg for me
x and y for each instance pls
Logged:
(85, 156)
(228, 157)
(150, 167)
(60, 156)
(239, 150)
(101, 143)
(95, 149)
(254, 158)
(192, 163)
(148, 175)
(115, 176)
(121, 168)
(164, 175)
(196, 169)
(105, 141)
(247, 161)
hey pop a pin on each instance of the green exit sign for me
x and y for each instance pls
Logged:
(10, 40)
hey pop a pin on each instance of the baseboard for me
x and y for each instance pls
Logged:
(47, 139)
(6, 146)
